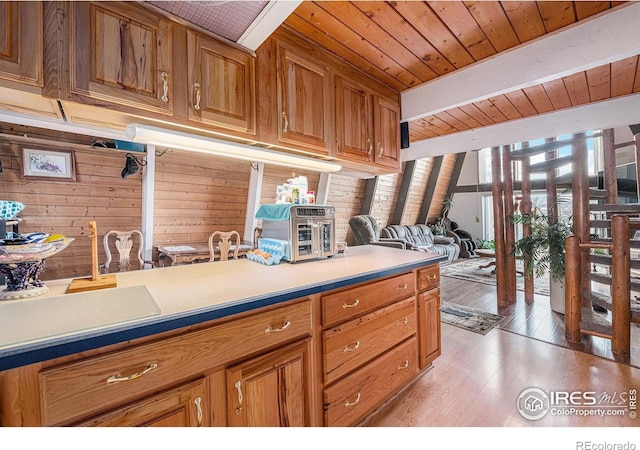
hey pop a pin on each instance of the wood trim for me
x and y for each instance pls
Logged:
(403, 193)
(431, 188)
(369, 196)
(455, 174)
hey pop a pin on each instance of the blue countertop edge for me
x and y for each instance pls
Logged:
(22, 355)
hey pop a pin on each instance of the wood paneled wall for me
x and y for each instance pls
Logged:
(196, 195)
(440, 193)
(99, 193)
(417, 190)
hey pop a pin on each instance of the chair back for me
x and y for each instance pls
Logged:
(226, 242)
(365, 229)
(124, 243)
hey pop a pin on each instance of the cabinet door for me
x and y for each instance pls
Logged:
(304, 102)
(185, 406)
(222, 83)
(121, 54)
(270, 390)
(21, 42)
(387, 132)
(429, 326)
(354, 121)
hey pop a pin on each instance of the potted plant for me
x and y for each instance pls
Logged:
(543, 251)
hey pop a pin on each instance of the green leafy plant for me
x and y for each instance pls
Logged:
(543, 250)
(486, 244)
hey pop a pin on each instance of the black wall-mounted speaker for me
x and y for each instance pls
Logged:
(635, 129)
(404, 134)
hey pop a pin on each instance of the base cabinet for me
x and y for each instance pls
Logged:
(270, 390)
(185, 406)
(330, 359)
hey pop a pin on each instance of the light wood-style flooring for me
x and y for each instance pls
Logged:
(477, 380)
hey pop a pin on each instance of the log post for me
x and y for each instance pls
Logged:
(507, 188)
(580, 191)
(498, 227)
(610, 178)
(621, 288)
(525, 208)
(572, 304)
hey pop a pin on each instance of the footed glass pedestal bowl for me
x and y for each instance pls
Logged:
(21, 265)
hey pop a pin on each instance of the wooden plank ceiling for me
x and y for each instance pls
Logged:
(406, 44)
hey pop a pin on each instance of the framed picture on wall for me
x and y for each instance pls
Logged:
(48, 164)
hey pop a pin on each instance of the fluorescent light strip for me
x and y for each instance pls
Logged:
(146, 134)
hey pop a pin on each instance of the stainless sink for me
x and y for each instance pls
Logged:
(41, 318)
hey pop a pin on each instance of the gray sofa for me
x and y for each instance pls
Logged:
(420, 237)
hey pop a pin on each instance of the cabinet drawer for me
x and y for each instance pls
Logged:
(429, 277)
(356, 301)
(79, 389)
(353, 344)
(348, 401)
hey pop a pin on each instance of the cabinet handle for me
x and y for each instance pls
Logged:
(198, 402)
(401, 288)
(285, 128)
(347, 403)
(432, 277)
(351, 348)
(196, 87)
(165, 86)
(405, 365)
(402, 322)
(238, 386)
(277, 330)
(381, 150)
(370, 146)
(351, 305)
(117, 378)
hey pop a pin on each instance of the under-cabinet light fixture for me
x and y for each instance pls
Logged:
(146, 134)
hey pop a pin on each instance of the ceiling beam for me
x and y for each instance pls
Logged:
(270, 18)
(602, 39)
(594, 116)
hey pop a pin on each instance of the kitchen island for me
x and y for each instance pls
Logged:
(204, 341)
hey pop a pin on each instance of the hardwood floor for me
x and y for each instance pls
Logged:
(478, 379)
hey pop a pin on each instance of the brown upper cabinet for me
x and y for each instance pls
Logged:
(367, 125)
(303, 100)
(222, 85)
(120, 54)
(21, 42)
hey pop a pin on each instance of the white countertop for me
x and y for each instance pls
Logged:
(185, 295)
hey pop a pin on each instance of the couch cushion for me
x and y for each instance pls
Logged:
(443, 240)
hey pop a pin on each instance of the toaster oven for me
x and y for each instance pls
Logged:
(309, 232)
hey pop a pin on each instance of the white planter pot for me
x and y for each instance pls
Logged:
(556, 296)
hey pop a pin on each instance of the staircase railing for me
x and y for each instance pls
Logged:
(579, 317)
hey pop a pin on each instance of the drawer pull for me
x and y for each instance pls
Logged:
(196, 87)
(432, 277)
(351, 305)
(285, 127)
(165, 87)
(355, 402)
(401, 288)
(238, 386)
(277, 330)
(402, 322)
(198, 402)
(352, 347)
(133, 376)
(405, 365)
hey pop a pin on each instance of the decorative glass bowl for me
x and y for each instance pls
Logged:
(21, 265)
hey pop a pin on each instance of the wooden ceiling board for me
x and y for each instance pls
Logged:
(477, 114)
(539, 98)
(522, 103)
(577, 88)
(429, 25)
(458, 18)
(388, 19)
(556, 15)
(494, 114)
(494, 22)
(525, 19)
(599, 79)
(557, 93)
(586, 9)
(623, 74)
(508, 110)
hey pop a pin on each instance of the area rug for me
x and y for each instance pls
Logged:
(479, 270)
(468, 318)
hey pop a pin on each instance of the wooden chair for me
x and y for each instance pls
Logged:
(225, 240)
(124, 242)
